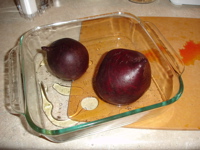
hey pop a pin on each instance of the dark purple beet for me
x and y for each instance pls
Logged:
(67, 58)
(123, 76)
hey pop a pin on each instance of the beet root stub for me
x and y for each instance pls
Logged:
(123, 76)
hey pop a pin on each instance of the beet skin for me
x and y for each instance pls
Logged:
(123, 76)
(67, 58)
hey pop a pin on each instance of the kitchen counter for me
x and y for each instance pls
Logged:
(13, 133)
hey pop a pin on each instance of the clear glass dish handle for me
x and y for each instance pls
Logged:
(14, 91)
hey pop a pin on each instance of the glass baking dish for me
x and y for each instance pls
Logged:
(64, 110)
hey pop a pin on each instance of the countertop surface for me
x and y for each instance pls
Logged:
(13, 133)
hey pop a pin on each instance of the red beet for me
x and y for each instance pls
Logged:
(123, 76)
(67, 58)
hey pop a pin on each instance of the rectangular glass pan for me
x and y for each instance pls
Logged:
(52, 107)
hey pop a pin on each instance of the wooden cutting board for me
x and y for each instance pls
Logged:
(184, 36)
